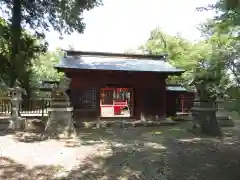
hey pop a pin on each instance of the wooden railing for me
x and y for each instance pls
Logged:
(39, 106)
(5, 106)
(185, 104)
(28, 107)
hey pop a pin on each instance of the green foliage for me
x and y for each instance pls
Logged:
(3, 88)
(223, 32)
(4, 48)
(208, 62)
(227, 19)
(43, 67)
(181, 53)
(234, 103)
(61, 15)
(19, 49)
(30, 47)
(209, 77)
(228, 14)
(215, 60)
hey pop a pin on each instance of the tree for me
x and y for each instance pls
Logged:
(229, 44)
(43, 67)
(30, 48)
(232, 4)
(208, 80)
(206, 66)
(225, 28)
(181, 53)
(40, 16)
(227, 19)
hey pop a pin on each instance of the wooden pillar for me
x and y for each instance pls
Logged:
(98, 89)
(164, 102)
(137, 102)
(182, 103)
(98, 113)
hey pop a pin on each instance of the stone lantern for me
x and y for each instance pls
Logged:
(204, 112)
(60, 121)
(16, 122)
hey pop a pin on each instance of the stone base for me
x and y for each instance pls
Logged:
(225, 122)
(16, 123)
(4, 123)
(60, 124)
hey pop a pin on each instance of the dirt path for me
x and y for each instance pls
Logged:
(51, 153)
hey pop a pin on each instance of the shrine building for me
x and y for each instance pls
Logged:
(115, 85)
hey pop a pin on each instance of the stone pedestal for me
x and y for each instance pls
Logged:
(195, 117)
(204, 118)
(60, 123)
(16, 122)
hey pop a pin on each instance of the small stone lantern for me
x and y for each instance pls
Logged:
(16, 122)
(223, 116)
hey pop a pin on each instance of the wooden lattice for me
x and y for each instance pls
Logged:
(87, 99)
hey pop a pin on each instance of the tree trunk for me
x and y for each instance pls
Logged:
(15, 38)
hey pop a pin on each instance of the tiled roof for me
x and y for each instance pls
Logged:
(117, 62)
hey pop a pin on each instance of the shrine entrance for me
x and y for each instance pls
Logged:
(116, 102)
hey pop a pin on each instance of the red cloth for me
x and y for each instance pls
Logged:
(117, 109)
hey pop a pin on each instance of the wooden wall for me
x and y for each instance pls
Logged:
(149, 90)
(174, 101)
(171, 104)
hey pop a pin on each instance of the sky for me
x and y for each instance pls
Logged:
(120, 25)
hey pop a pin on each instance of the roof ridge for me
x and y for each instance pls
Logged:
(111, 54)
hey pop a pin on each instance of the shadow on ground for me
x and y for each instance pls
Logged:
(10, 169)
(148, 153)
(159, 153)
